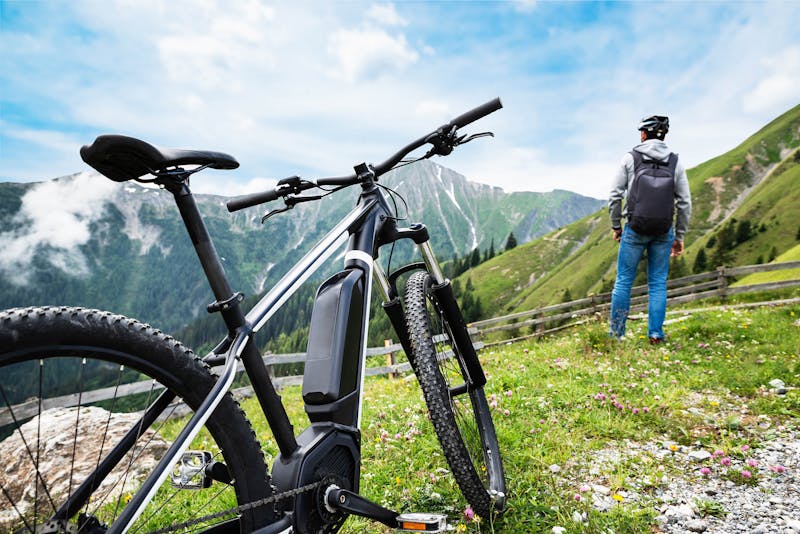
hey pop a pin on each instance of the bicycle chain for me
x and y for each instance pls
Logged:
(243, 508)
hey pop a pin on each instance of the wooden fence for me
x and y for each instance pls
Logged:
(550, 319)
(541, 321)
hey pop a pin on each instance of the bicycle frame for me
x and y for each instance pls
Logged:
(369, 226)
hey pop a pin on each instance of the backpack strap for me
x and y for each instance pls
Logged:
(639, 158)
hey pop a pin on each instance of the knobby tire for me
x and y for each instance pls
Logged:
(41, 345)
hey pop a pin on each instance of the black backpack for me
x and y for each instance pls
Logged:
(651, 200)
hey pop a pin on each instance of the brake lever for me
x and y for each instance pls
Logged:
(464, 139)
(290, 203)
(275, 212)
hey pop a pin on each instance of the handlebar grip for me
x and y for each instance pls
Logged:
(475, 114)
(254, 199)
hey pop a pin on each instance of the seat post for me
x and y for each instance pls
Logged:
(206, 251)
(232, 314)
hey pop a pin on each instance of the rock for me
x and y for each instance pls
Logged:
(555, 468)
(793, 524)
(577, 517)
(696, 525)
(57, 437)
(602, 490)
(778, 385)
(699, 456)
(681, 512)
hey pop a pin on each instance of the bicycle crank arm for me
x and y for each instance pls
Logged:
(338, 499)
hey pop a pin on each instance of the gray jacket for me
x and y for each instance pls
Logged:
(653, 149)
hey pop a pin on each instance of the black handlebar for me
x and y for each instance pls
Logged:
(246, 201)
(253, 199)
(477, 113)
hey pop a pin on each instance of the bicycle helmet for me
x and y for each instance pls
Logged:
(657, 124)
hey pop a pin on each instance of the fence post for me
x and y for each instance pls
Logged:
(722, 278)
(391, 358)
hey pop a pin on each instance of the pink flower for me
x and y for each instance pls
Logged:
(746, 473)
(752, 462)
(584, 488)
(725, 461)
(506, 412)
(744, 447)
(577, 497)
(636, 411)
(718, 453)
(705, 471)
(646, 409)
(509, 393)
(777, 468)
(469, 513)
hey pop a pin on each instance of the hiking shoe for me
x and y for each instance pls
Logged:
(656, 340)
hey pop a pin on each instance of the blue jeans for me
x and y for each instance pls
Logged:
(632, 246)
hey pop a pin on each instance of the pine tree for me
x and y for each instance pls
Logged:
(511, 242)
(700, 262)
(475, 258)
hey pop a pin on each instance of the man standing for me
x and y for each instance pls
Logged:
(654, 184)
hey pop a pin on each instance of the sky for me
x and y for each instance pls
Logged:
(312, 88)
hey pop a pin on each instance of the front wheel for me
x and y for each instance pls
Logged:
(75, 445)
(458, 409)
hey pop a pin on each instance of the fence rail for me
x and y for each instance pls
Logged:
(543, 321)
(679, 291)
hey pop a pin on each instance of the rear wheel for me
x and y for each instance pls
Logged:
(73, 383)
(459, 411)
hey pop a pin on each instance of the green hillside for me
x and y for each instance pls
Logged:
(746, 209)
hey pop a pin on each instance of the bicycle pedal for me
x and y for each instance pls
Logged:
(421, 522)
(189, 471)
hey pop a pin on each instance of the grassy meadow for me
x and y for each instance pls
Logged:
(564, 405)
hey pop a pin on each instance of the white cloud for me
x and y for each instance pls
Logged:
(369, 53)
(56, 216)
(780, 87)
(385, 14)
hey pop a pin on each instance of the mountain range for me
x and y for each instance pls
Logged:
(84, 240)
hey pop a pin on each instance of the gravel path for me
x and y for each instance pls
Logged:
(753, 489)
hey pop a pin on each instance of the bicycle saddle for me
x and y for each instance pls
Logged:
(124, 158)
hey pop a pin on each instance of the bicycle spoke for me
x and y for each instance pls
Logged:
(14, 505)
(18, 428)
(105, 432)
(77, 426)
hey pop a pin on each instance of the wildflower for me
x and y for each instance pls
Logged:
(645, 409)
(718, 453)
(705, 471)
(744, 448)
(584, 488)
(469, 513)
(777, 468)
(752, 462)
(398, 480)
(673, 447)
(617, 497)
(509, 393)
(506, 412)
(636, 411)
(746, 473)
(577, 497)
(725, 461)
(461, 527)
